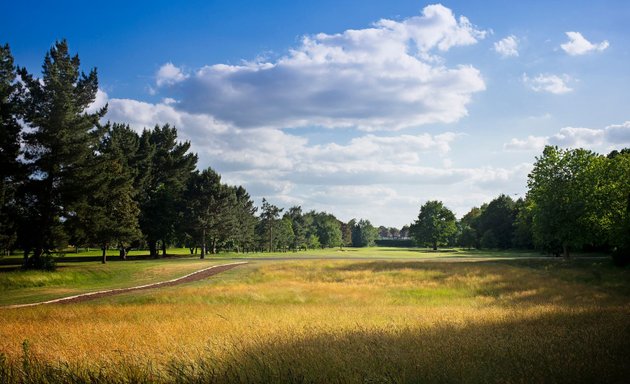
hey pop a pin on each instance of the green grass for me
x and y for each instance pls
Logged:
(72, 278)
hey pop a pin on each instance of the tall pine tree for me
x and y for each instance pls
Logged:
(59, 147)
(11, 170)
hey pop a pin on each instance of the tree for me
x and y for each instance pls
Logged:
(394, 233)
(523, 237)
(171, 166)
(435, 224)
(62, 138)
(269, 220)
(244, 216)
(364, 234)
(329, 231)
(383, 232)
(615, 204)
(346, 232)
(496, 223)
(297, 223)
(11, 170)
(561, 191)
(202, 206)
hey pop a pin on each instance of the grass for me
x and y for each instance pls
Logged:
(340, 321)
(20, 287)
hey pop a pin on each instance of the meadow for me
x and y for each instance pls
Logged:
(438, 317)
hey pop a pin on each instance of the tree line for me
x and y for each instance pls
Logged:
(66, 178)
(577, 200)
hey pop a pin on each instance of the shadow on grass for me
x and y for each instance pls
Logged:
(564, 347)
(579, 347)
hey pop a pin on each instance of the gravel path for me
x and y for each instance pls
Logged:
(198, 275)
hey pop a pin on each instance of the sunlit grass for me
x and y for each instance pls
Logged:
(345, 321)
(72, 278)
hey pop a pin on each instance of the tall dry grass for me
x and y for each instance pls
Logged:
(337, 321)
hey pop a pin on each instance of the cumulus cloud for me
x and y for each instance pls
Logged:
(531, 143)
(289, 169)
(507, 47)
(386, 77)
(603, 140)
(548, 83)
(99, 101)
(578, 45)
(169, 74)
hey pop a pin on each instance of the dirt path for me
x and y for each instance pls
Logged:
(197, 275)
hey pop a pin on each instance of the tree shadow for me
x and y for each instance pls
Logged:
(587, 346)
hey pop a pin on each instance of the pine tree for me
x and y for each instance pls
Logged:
(11, 170)
(171, 166)
(59, 146)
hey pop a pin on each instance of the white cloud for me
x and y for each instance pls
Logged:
(577, 137)
(386, 77)
(532, 143)
(578, 45)
(169, 74)
(507, 47)
(548, 83)
(380, 177)
(600, 140)
(99, 101)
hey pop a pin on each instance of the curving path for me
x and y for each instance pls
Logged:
(197, 275)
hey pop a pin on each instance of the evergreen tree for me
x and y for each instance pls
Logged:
(269, 222)
(59, 147)
(245, 220)
(171, 166)
(364, 234)
(11, 170)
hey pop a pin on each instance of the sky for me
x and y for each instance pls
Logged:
(364, 109)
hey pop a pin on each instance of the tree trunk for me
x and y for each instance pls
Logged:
(163, 248)
(565, 250)
(25, 261)
(214, 246)
(203, 244)
(153, 249)
(104, 255)
(435, 245)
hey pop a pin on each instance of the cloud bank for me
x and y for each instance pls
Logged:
(386, 77)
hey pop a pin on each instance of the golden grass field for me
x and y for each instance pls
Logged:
(340, 321)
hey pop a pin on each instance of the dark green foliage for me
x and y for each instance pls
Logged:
(496, 223)
(58, 148)
(294, 214)
(269, 218)
(364, 234)
(561, 190)
(435, 225)
(399, 243)
(171, 165)
(11, 170)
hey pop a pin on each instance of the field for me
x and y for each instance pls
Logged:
(418, 317)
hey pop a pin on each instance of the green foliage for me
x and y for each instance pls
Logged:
(11, 170)
(563, 191)
(435, 224)
(171, 166)
(63, 138)
(364, 234)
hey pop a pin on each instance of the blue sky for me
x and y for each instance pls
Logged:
(365, 109)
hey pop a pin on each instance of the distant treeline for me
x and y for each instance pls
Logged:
(66, 178)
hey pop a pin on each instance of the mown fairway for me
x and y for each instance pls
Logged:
(339, 321)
